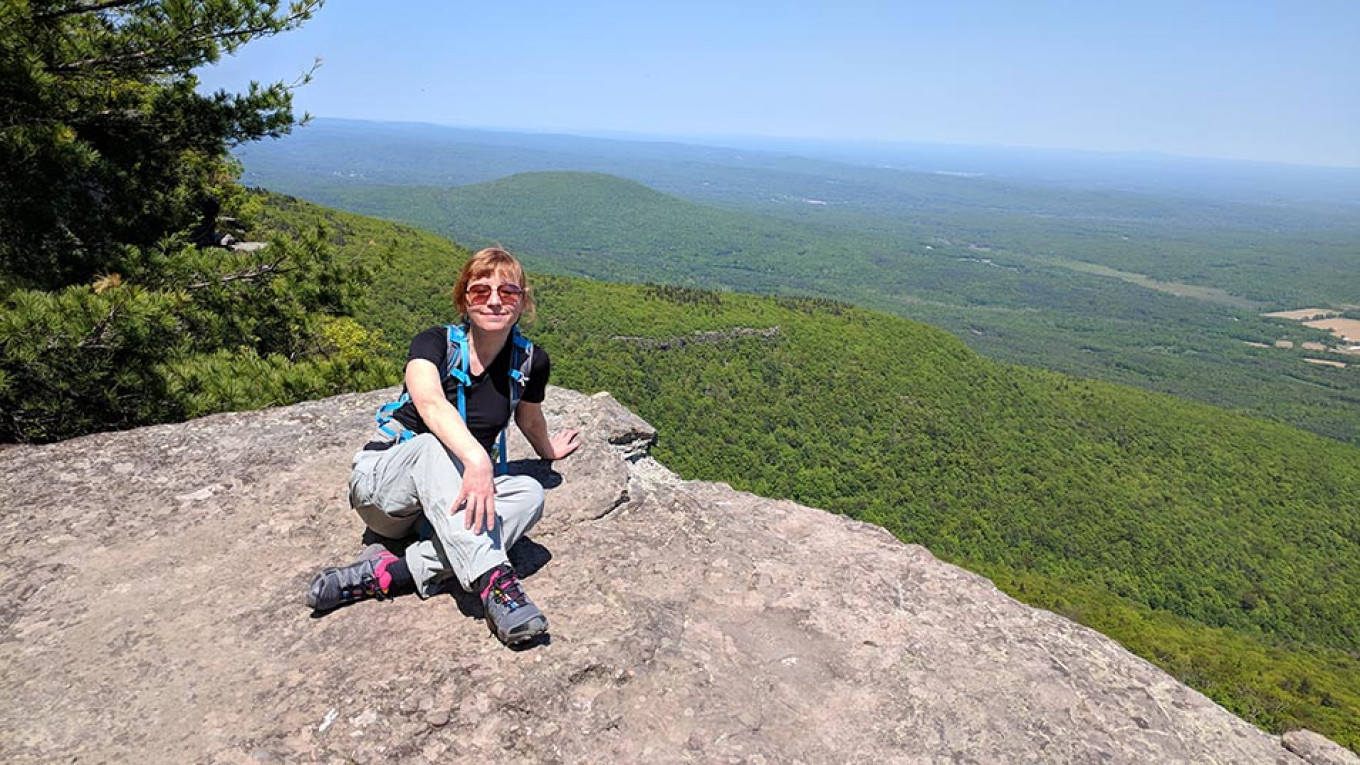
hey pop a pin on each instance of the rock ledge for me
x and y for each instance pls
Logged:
(163, 622)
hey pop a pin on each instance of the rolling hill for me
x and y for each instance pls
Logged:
(1046, 309)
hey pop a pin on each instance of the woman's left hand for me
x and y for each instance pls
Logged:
(564, 442)
(548, 446)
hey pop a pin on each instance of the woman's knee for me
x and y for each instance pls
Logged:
(520, 494)
(362, 478)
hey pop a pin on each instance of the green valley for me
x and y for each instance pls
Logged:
(1012, 289)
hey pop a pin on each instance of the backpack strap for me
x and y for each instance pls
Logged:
(384, 418)
(521, 360)
(458, 362)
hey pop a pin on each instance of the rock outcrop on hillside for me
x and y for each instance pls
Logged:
(153, 613)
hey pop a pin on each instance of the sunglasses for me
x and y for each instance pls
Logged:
(510, 294)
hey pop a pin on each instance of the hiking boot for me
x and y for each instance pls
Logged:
(510, 615)
(362, 579)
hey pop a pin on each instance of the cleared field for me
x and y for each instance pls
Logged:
(1346, 329)
(1302, 314)
(1326, 363)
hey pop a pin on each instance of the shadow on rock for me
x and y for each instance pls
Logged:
(540, 470)
(528, 556)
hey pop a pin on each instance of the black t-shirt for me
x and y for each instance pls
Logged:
(488, 397)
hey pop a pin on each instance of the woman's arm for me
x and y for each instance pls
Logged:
(529, 418)
(478, 494)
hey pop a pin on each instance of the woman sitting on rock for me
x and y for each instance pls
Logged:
(434, 461)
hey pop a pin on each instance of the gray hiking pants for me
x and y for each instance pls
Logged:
(395, 488)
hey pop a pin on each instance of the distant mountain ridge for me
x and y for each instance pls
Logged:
(462, 155)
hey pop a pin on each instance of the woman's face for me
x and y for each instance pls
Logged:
(494, 302)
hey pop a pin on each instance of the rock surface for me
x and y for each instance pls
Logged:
(152, 613)
(1319, 750)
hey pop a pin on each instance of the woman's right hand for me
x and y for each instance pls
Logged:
(477, 498)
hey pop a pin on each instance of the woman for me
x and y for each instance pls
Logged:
(438, 467)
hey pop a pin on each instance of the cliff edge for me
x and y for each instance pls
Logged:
(153, 612)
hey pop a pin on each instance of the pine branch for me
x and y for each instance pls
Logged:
(78, 9)
(243, 34)
(248, 275)
(115, 60)
(96, 337)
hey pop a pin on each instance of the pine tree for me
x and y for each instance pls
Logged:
(113, 171)
(105, 141)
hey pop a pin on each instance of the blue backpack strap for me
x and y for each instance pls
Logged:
(521, 359)
(458, 362)
(384, 418)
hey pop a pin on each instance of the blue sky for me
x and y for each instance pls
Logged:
(1269, 81)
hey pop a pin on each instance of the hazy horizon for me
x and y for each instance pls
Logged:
(602, 151)
(786, 142)
(1264, 81)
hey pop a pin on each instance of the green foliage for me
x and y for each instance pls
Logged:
(104, 140)
(78, 360)
(203, 331)
(227, 380)
(115, 168)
